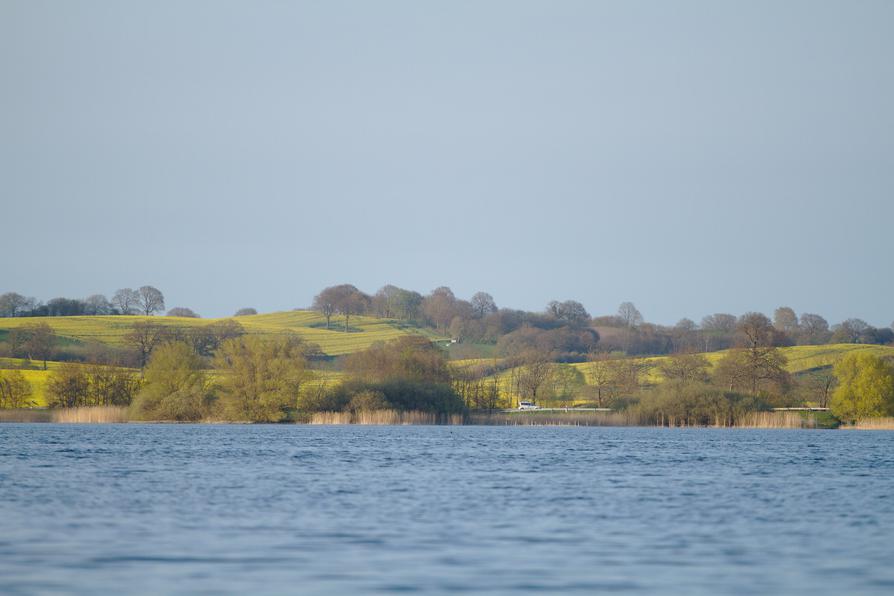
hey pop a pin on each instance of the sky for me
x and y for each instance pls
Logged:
(690, 157)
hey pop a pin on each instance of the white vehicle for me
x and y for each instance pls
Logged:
(527, 405)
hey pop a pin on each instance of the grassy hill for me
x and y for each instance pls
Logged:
(111, 330)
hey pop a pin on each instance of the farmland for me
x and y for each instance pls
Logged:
(311, 326)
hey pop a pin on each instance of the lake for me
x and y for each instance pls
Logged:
(360, 509)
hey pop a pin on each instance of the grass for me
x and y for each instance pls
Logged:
(310, 325)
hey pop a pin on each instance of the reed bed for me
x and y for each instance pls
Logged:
(90, 415)
(776, 420)
(556, 419)
(385, 417)
(873, 424)
(26, 415)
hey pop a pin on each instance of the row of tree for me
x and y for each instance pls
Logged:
(567, 328)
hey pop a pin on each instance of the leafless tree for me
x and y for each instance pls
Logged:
(151, 300)
(39, 341)
(126, 301)
(483, 304)
(144, 337)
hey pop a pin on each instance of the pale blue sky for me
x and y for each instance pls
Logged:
(692, 157)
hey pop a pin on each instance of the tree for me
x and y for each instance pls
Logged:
(151, 300)
(144, 337)
(261, 377)
(126, 301)
(325, 303)
(534, 374)
(814, 329)
(440, 307)
(849, 331)
(15, 390)
(244, 312)
(409, 357)
(111, 385)
(865, 387)
(685, 368)
(68, 387)
(351, 302)
(629, 314)
(181, 311)
(786, 321)
(97, 304)
(760, 369)
(13, 304)
(38, 341)
(570, 312)
(755, 330)
(343, 299)
(206, 339)
(175, 386)
(483, 304)
(718, 330)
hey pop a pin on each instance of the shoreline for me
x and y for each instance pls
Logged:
(761, 420)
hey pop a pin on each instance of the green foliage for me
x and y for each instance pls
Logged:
(695, 404)
(865, 387)
(397, 394)
(175, 386)
(15, 390)
(74, 385)
(410, 358)
(261, 378)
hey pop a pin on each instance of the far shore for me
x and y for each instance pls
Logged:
(757, 420)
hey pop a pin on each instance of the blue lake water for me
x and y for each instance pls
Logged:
(346, 510)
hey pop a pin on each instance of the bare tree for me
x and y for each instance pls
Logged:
(97, 304)
(39, 341)
(144, 337)
(326, 301)
(534, 374)
(126, 301)
(151, 300)
(685, 368)
(630, 315)
(483, 304)
(786, 321)
(814, 329)
(13, 304)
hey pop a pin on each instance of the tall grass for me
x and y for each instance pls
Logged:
(873, 424)
(90, 415)
(776, 420)
(384, 417)
(557, 419)
(85, 415)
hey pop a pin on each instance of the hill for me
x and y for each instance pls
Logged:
(311, 326)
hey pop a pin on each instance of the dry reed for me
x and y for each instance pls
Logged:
(872, 424)
(385, 417)
(776, 420)
(556, 419)
(90, 415)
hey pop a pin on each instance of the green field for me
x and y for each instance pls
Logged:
(310, 325)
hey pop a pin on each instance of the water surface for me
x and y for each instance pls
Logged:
(272, 509)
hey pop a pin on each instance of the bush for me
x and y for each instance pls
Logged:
(175, 386)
